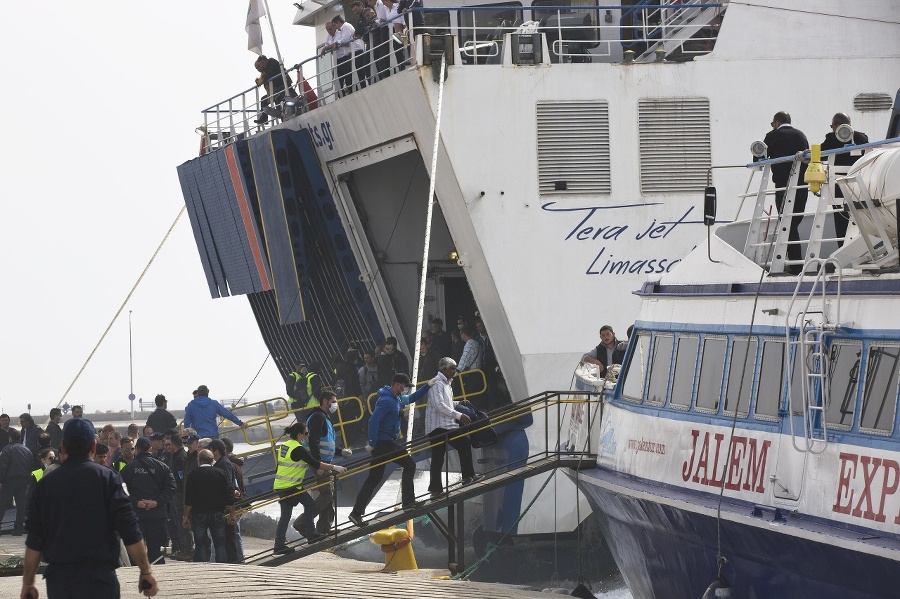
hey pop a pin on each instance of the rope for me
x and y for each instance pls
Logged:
(492, 547)
(122, 307)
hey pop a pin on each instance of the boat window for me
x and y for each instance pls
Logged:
(634, 377)
(437, 22)
(879, 400)
(712, 372)
(796, 391)
(571, 32)
(771, 379)
(488, 25)
(658, 383)
(686, 351)
(843, 383)
(741, 366)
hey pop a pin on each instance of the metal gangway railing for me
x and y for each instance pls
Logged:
(568, 420)
(482, 35)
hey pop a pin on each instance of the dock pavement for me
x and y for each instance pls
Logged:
(322, 575)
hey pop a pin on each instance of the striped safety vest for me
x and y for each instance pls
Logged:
(289, 473)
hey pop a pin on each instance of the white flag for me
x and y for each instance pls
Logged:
(254, 32)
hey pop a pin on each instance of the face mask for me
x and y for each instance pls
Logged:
(332, 408)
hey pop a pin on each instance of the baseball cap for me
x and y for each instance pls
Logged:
(142, 443)
(170, 431)
(79, 428)
(191, 438)
(157, 437)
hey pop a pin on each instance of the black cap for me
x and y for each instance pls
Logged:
(79, 428)
(142, 444)
(157, 437)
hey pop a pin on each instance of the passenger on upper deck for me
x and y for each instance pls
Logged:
(272, 78)
(473, 353)
(607, 352)
(380, 33)
(784, 140)
(418, 18)
(842, 219)
(344, 51)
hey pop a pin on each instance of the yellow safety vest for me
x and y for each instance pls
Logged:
(37, 474)
(289, 473)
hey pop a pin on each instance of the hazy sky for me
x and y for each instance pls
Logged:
(101, 102)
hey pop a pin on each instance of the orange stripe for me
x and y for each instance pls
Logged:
(245, 215)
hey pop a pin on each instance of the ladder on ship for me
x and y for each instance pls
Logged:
(683, 29)
(568, 422)
(812, 326)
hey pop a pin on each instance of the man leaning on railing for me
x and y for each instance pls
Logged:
(274, 80)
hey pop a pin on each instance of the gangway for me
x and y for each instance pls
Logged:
(568, 419)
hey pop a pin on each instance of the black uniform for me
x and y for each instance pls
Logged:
(148, 478)
(161, 420)
(76, 516)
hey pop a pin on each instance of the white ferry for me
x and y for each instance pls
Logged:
(573, 144)
(752, 438)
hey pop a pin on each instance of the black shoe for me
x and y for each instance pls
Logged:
(262, 118)
(355, 518)
(413, 505)
(314, 539)
(18, 533)
(284, 550)
(472, 479)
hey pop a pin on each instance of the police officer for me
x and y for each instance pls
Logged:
(151, 487)
(304, 387)
(322, 447)
(75, 520)
(293, 459)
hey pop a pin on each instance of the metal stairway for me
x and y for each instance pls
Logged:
(543, 462)
(668, 28)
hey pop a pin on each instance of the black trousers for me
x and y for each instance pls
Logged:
(381, 53)
(154, 531)
(363, 67)
(77, 581)
(345, 73)
(461, 444)
(383, 451)
(795, 250)
(15, 489)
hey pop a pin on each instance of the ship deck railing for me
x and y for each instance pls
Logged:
(568, 419)
(484, 35)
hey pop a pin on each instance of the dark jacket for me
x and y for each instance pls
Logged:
(55, 433)
(161, 420)
(206, 490)
(785, 141)
(618, 355)
(148, 478)
(238, 465)
(831, 143)
(30, 437)
(178, 460)
(16, 462)
(389, 365)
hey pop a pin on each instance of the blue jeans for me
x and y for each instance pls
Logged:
(214, 522)
(287, 506)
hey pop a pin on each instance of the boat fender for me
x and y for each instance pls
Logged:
(720, 589)
(582, 592)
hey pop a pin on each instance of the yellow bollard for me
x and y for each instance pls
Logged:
(396, 544)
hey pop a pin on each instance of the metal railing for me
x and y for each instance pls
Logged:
(569, 419)
(481, 35)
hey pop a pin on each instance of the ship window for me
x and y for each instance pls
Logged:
(686, 351)
(659, 369)
(843, 383)
(484, 25)
(879, 400)
(437, 22)
(712, 372)
(795, 398)
(741, 367)
(771, 379)
(675, 154)
(634, 377)
(573, 148)
(573, 19)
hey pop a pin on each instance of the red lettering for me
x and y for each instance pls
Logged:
(738, 450)
(688, 466)
(866, 495)
(702, 462)
(717, 482)
(888, 488)
(844, 490)
(756, 467)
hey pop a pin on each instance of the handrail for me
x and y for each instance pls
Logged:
(540, 403)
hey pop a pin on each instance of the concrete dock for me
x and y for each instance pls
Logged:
(322, 575)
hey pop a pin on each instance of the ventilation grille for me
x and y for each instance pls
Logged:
(871, 102)
(573, 147)
(674, 144)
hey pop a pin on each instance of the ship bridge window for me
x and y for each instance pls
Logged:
(573, 148)
(675, 151)
(879, 400)
(571, 32)
(843, 383)
(488, 25)
(687, 348)
(633, 389)
(712, 373)
(770, 388)
(437, 22)
(741, 367)
(658, 383)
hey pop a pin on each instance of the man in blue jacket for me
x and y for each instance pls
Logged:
(201, 414)
(384, 429)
